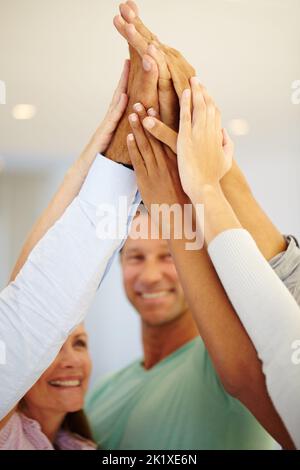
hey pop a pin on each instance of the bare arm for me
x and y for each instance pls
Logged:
(212, 310)
(229, 346)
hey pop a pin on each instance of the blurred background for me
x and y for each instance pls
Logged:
(62, 59)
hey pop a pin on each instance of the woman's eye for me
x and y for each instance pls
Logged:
(80, 343)
(135, 258)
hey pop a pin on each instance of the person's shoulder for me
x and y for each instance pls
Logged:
(197, 350)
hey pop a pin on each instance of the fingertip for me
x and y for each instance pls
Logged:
(149, 123)
(133, 118)
(133, 6)
(131, 13)
(138, 107)
(152, 112)
(194, 80)
(123, 98)
(127, 11)
(149, 64)
(226, 136)
(152, 49)
(121, 6)
(130, 138)
(118, 20)
(186, 94)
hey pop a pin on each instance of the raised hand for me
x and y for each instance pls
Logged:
(156, 170)
(104, 133)
(174, 70)
(201, 158)
(181, 71)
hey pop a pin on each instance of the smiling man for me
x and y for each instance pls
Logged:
(172, 398)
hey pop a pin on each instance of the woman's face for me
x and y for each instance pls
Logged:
(63, 385)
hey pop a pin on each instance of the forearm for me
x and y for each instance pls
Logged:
(269, 313)
(251, 216)
(227, 342)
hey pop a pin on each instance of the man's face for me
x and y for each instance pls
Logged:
(151, 281)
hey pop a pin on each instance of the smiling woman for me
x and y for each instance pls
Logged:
(50, 415)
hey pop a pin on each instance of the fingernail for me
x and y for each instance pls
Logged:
(130, 137)
(133, 117)
(152, 49)
(121, 19)
(149, 123)
(152, 112)
(186, 93)
(196, 79)
(138, 107)
(131, 14)
(147, 66)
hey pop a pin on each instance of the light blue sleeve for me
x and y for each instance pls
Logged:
(53, 292)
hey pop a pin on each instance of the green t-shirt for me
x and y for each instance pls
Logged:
(178, 404)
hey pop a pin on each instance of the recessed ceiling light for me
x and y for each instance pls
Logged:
(24, 111)
(239, 127)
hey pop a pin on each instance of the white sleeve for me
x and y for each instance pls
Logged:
(270, 315)
(53, 291)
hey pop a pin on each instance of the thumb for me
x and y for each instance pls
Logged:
(227, 142)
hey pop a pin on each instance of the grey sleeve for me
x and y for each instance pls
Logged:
(287, 267)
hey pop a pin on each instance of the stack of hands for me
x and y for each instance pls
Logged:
(164, 124)
(167, 125)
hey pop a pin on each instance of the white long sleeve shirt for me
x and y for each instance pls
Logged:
(270, 315)
(52, 293)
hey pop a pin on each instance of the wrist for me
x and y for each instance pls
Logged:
(205, 191)
(97, 142)
(235, 180)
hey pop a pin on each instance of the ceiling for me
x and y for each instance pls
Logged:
(64, 57)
